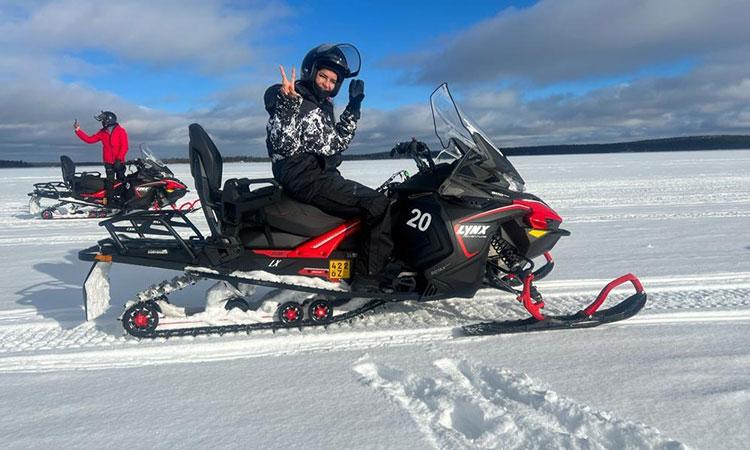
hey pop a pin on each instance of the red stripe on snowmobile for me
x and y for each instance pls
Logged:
(313, 272)
(481, 215)
(540, 213)
(462, 244)
(97, 194)
(100, 194)
(174, 185)
(495, 211)
(319, 247)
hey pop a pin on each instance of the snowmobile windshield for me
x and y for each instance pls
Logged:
(152, 162)
(462, 139)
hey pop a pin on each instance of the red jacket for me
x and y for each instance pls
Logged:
(114, 146)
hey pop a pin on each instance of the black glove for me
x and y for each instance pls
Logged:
(413, 147)
(356, 95)
(119, 169)
(401, 148)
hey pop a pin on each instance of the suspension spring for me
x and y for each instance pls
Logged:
(507, 253)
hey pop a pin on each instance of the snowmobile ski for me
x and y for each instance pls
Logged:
(586, 318)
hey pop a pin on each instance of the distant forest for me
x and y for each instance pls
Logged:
(689, 143)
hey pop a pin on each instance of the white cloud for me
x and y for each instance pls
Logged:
(203, 33)
(549, 42)
(555, 41)
(38, 45)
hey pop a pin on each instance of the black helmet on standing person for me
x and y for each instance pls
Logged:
(107, 118)
(343, 59)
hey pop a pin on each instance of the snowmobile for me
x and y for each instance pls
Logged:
(462, 223)
(149, 184)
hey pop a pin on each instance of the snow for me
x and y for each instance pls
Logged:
(674, 376)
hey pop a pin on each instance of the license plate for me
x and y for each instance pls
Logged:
(339, 268)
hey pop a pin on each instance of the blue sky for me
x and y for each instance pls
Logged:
(544, 72)
(378, 29)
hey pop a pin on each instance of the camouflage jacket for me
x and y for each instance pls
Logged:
(305, 125)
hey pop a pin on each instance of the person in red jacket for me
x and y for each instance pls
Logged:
(114, 141)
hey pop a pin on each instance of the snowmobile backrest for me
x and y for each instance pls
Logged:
(206, 168)
(68, 171)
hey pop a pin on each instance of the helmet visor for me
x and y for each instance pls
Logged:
(353, 60)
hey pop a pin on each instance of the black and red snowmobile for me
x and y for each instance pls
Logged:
(462, 223)
(149, 184)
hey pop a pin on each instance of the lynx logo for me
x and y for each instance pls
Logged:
(274, 263)
(160, 251)
(473, 230)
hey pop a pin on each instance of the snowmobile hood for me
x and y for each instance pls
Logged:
(462, 139)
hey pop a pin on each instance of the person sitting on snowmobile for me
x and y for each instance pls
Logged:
(305, 143)
(114, 141)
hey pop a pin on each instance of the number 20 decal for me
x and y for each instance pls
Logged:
(421, 221)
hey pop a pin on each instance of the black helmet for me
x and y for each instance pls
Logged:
(107, 118)
(341, 58)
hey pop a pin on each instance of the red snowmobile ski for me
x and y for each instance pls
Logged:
(462, 223)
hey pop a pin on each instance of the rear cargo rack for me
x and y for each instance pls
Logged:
(134, 230)
(51, 189)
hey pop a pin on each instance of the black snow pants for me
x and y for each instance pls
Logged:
(315, 180)
(113, 172)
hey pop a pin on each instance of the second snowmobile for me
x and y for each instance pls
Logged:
(462, 223)
(149, 184)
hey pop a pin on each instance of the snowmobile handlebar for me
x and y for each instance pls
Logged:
(419, 151)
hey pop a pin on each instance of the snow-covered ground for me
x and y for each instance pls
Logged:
(675, 375)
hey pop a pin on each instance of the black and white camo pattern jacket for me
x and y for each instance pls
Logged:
(302, 125)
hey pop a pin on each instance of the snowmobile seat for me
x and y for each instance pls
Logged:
(286, 223)
(270, 205)
(266, 217)
(299, 218)
(79, 183)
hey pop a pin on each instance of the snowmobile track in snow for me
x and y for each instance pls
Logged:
(29, 343)
(470, 406)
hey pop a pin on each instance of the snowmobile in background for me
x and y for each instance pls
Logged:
(462, 223)
(149, 184)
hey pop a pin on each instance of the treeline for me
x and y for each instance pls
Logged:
(676, 144)
(232, 159)
(7, 163)
(689, 143)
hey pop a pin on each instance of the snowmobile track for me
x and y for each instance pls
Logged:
(31, 344)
